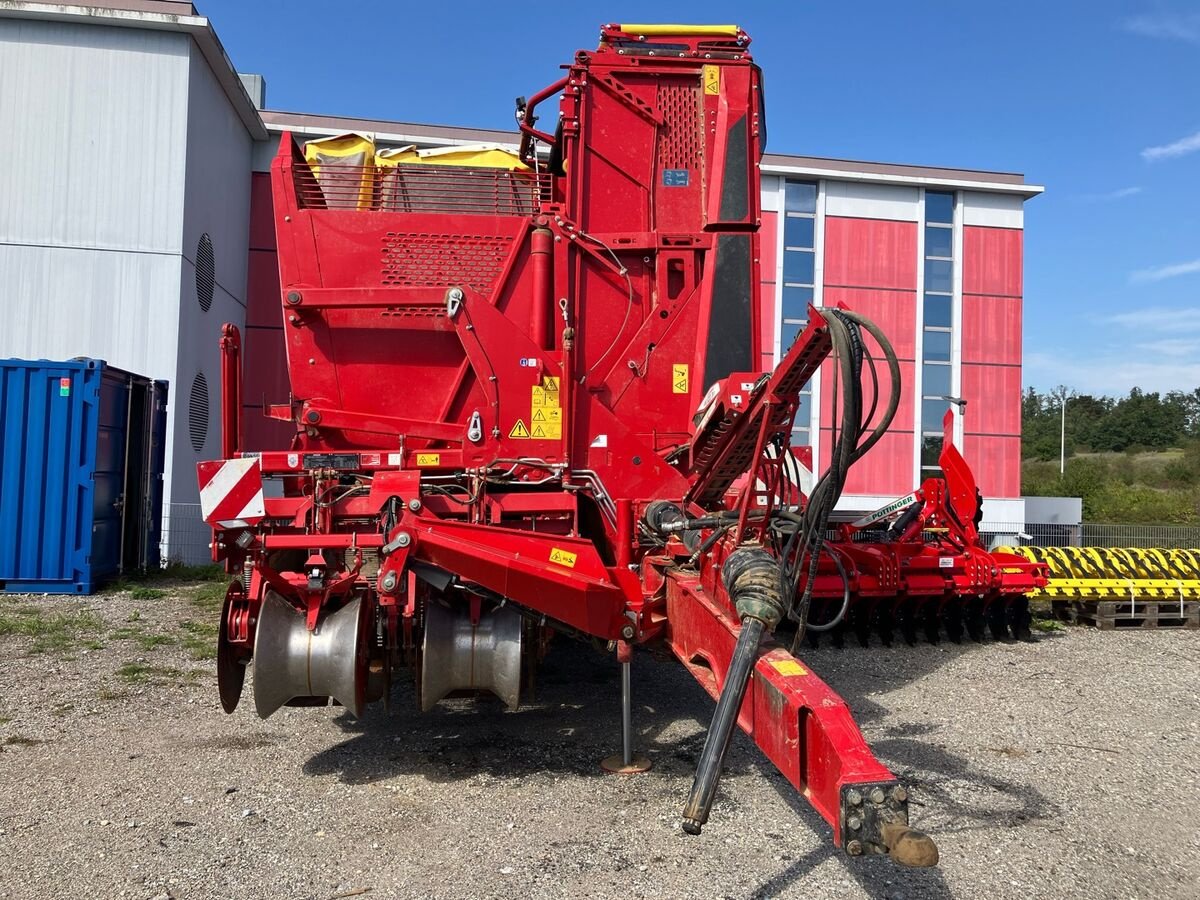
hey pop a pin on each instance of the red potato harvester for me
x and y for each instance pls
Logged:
(526, 406)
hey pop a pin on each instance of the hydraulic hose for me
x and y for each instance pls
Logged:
(752, 579)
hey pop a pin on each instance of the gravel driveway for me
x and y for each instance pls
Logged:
(1065, 768)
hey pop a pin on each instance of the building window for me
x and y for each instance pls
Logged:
(799, 281)
(936, 322)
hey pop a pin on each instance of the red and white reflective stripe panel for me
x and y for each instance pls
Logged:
(231, 492)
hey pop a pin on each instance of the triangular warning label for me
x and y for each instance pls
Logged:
(538, 416)
(538, 431)
(519, 430)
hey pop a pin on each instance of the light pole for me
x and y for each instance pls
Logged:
(1062, 446)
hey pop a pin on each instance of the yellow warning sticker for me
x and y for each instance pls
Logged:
(679, 378)
(563, 557)
(549, 383)
(519, 430)
(712, 79)
(788, 667)
(429, 459)
(538, 398)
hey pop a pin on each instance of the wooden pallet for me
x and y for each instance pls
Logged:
(1110, 615)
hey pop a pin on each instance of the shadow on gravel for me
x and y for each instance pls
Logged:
(574, 721)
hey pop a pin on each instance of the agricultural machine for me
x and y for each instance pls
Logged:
(528, 407)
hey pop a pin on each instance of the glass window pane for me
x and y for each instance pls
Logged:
(800, 196)
(800, 437)
(798, 231)
(935, 380)
(937, 310)
(796, 301)
(804, 411)
(798, 266)
(939, 275)
(931, 449)
(787, 334)
(932, 412)
(937, 346)
(939, 207)
(939, 241)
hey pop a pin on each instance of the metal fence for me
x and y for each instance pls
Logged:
(185, 537)
(1091, 534)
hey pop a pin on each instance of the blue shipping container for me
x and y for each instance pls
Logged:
(81, 460)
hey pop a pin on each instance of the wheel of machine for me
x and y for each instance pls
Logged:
(231, 662)
(295, 665)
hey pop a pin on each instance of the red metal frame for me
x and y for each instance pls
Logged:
(499, 389)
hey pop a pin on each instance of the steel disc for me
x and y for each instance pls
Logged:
(231, 668)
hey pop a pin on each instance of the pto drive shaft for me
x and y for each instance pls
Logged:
(753, 581)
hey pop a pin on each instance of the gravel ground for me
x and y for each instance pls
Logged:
(1067, 768)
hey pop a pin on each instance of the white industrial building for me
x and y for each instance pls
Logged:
(128, 230)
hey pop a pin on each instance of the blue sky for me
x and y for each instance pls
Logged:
(1098, 100)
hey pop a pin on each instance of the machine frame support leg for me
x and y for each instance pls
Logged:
(626, 762)
(801, 725)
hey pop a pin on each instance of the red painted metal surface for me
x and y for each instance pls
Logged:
(495, 375)
(991, 330)
(893, 311)
(904, 412)
(870, 253)
(992, 261)
(993, 395)
(998, 462)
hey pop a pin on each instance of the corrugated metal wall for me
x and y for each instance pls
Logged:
(991, 346)
(871, 266)
(216, 206)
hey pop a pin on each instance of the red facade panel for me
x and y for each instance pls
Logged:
(904, 413)
(992, 261)
(262, 222)
(895, 312)
(886, 470)
(996, 462)
(991, 330)
(768, 238)
(870, 253)
(262, 290)
(993, 395)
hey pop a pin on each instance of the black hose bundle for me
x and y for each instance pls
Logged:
(803, 535)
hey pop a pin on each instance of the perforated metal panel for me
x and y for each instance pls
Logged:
(198, 412)
(444, 260)
(680, 144)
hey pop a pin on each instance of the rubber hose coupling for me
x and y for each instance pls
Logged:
(752, 578)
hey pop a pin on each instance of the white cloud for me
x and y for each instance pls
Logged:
(1118, 194)
(1175, 347)
(1169, 26)
(1181, 147)
(1110, 373)
(1161, 273)
(1158, 319)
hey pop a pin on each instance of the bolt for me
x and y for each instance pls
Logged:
(854, 823)
(414, 504)
(627, 632)
(877, 795)
(854, 848)
(403, 539)
(294, 297)
(312, 417)
(456, 294)
(899, 793)
(389, 581)
(853, 797)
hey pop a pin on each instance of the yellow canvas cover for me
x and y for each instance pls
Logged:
(344, 167)
(488, 156)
